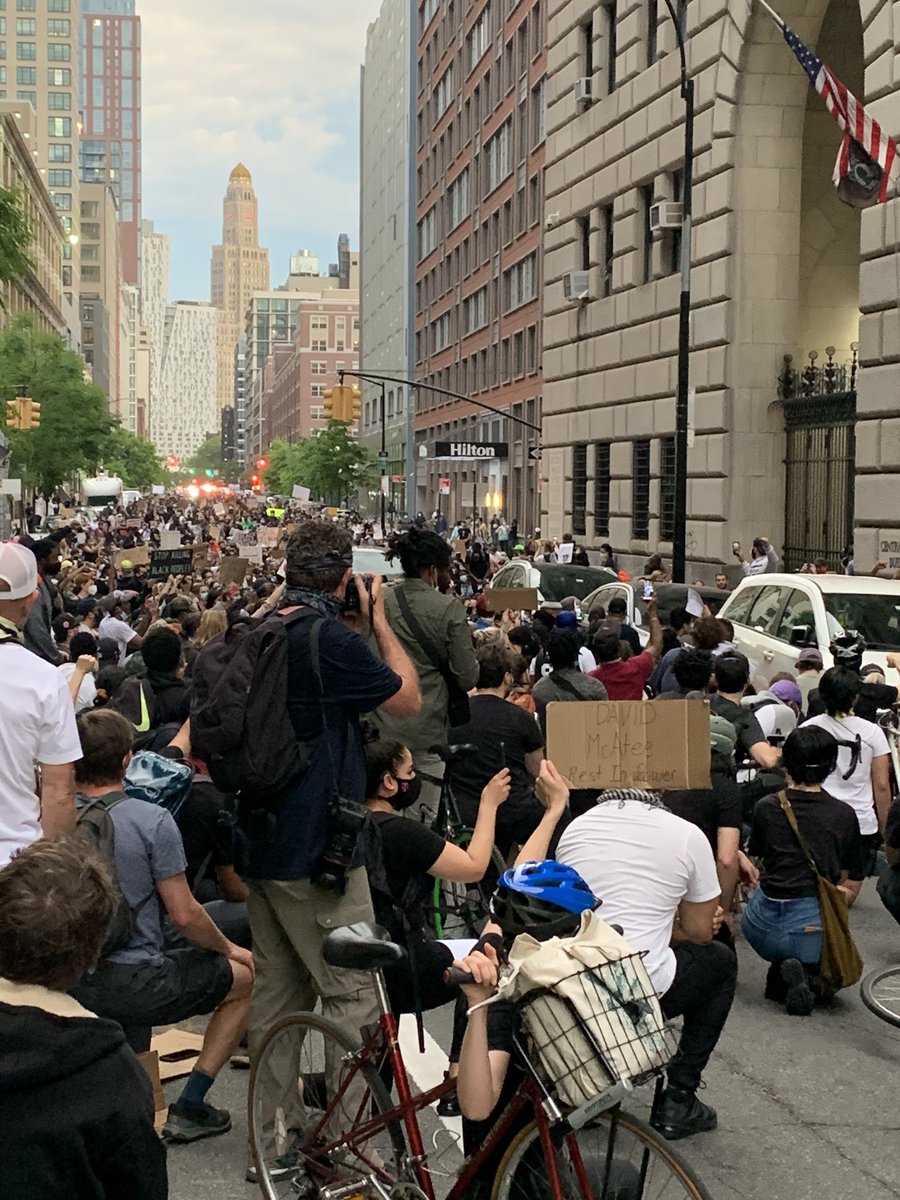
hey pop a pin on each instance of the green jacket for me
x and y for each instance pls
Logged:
(443, 618)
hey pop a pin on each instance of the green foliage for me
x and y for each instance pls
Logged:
(132, 458)
(208, 458)
(332, 465)
(15, 238)
(75, 420)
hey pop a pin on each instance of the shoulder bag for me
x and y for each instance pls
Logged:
(840, 964)
(457, 699)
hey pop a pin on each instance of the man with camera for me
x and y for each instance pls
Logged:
(305, 867)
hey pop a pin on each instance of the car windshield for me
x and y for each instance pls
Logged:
(561, 580)
(875, 618)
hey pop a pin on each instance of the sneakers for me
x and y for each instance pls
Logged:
(776, 988)
(680, 1114)
(282, 1167)
(187, 1124)
(799, 1000)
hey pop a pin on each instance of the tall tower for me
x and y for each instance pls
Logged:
(240, 267)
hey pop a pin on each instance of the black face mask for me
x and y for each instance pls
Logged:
(407, 793)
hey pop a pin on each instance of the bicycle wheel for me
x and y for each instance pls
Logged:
(616, 1150)
(459, 910)
(313, 1120)
(880, 993)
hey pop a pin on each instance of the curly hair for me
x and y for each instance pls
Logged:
(312, 548)
(56, 900)
(418, 549)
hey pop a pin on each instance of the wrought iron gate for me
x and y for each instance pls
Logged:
(819, 406)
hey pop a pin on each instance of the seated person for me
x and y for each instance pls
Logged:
(158, 704)
(691, 671)
(732, 672)
(142, 985)
(626, 677)
(782, 921)
(75, 1102)
(403, 858)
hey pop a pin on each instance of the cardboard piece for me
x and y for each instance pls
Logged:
(566, 551)
(269, 535)
(300, 493)
(178, 1051)
(245, 537)
(158, 489)
(138, 557)
(253, 554)
(215, 532)
(232, 570)
(164, 563)
(219, 510)
(655, 744)
(169, 539)
(200, 557)
(149, 1060)
(500, 599)
(459, 548)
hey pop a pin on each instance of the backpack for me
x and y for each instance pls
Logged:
(240, 724)
(158, 779)
(93, 821)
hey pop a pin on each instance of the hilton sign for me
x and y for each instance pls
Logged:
(466, 450)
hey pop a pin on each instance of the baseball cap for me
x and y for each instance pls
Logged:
(126, 565)
(108, 650)
(566, 620)
(787, 691)
(722, 734)
(18, 569)
(810, 657)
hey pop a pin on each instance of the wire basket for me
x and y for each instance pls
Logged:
(596, 1027)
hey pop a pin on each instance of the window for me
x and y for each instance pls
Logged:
(667, 488)
(583, 233)
(26, 5)
(458, 199)
(579, 488)
(59, 5)
(59, 153)
(520, 283)
(60, 179)
(26, 26)
(59, 27)
(606, 262)
(765, 614)
(319, 368)
(652, 23)
(475, 314)
(59, 52)
(640, 493)
(612, 49)
(442, 333)
(319, 345)
(645, 202)
(63, 201)
(739, 608)
(26, 51)
(444, 92)
(427, 234)
(675, 241)
(797, 611)
(479, 38)
(586, 37)
(59, 100)
(25, 75)
(601, 488)
(31, 97)
(59, 126)
(499, 157)
(90, 274)
(428, 11)
(59, 76)
(538, 114)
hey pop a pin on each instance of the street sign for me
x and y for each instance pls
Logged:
(382, 456)
(444, 486)
(470, 450)
(534, 452)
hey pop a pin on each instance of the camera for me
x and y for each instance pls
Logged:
(352, 598)
(346, 819)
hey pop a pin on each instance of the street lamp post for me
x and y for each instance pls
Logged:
(679, 534)
(383, 460)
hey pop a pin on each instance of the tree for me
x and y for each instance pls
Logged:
(15, 238)
(332, 465)
(75, 421)
(208, 457)
(132, 458)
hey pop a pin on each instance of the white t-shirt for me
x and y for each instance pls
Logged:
(87, 693)
(119, 631)
(37, 725)
(857, 790)
(641, 862)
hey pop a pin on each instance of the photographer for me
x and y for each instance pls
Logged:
(290, 913)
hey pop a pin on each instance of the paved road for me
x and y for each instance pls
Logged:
(807, 1107)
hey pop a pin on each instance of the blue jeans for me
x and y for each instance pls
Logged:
(779, 929)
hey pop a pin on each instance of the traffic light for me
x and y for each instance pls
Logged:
(210, 474)
(14, 414)
(341, 402)
(32, 414)
(328, 403)
(23, 413)
(262, 463)
(355, 407)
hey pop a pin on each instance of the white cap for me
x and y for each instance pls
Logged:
(18, 569)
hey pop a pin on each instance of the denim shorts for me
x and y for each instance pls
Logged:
(779, 929)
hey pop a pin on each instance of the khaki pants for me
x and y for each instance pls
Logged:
(289, 921)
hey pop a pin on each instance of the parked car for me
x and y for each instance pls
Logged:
(554, 581)
(668, 597)
(370, 560)
(775, 616)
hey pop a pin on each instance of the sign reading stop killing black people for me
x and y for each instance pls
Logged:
(164, 563)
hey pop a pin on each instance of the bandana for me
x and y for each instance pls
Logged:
(621, 795)
(324, 603)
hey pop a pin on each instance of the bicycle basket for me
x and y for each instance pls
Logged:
(595, 1027)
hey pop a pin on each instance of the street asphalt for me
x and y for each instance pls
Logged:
(807, 1106)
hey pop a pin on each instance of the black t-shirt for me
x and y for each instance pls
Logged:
(409, 850)
(831, 831)
(892, 826)
(500, 1030)
(710, 809)
(748, 729)
(504, 734)
(207, 835)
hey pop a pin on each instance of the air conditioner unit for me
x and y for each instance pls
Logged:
(668, 214)
(577, 286)
(583, 91)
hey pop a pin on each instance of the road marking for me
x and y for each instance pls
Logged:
(427, 1070)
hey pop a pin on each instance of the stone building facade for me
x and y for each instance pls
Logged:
(780, 267)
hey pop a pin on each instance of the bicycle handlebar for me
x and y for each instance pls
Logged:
(456, 976)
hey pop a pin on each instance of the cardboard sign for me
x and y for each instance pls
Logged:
(11, 487)
(133, 523)
(219, 510)
(655, 744)
(300, 493)
(245, 537)
(164, 563)
(500, 599)
(169, 539)
(232, 570)
(253, 554)
(138, 557)
(459, 548)
(269, 535)
(200, 557)
(215, 532)
(158, 489)
(566, 551)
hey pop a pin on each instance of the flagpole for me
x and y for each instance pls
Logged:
(773, 14)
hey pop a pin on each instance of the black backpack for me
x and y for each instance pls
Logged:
(92, 819)
(240, 724)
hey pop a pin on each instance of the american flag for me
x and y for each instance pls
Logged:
(871, 142)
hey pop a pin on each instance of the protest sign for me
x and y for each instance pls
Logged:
(164, 563)
(566, 551)
(169, 539)
(300, 493)
(232, 570)
(500, 599)
(269, 535)
(200, 557)
(138, 557)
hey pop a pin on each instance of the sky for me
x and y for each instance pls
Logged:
(270, 83)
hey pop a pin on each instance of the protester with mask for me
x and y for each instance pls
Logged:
(404, 857)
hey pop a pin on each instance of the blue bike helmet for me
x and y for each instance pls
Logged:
(545, 899)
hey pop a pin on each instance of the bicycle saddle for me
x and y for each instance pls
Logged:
(361, 947)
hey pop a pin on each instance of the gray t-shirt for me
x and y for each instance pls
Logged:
(559, 686)
(148, 848)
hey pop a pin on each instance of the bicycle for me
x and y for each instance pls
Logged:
(324, 1126)
(459, 910)
(879, 991)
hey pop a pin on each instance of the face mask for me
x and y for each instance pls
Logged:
(407, 793)
(92, 589)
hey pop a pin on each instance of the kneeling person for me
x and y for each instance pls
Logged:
(141, 985)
